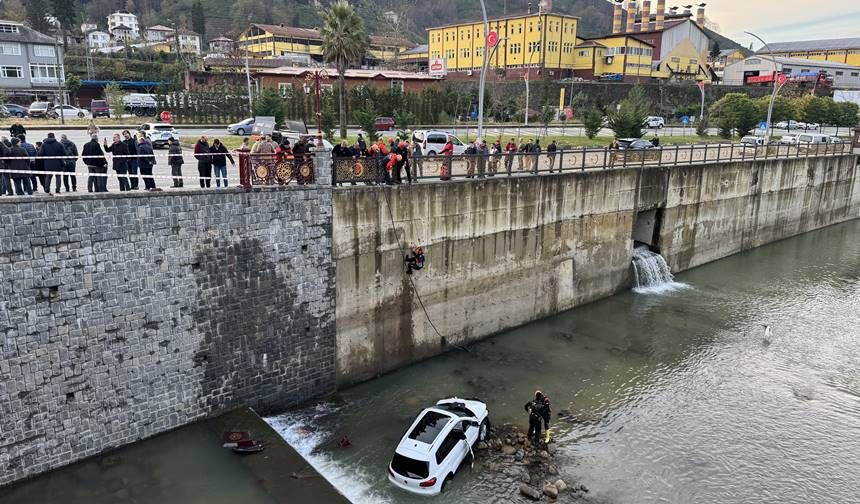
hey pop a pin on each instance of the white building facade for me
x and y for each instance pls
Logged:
(97, 39)
(124, 19)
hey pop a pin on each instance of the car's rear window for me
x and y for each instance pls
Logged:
(459, 409)
(429, 427)
(39, 105)
(410, 468)
(162, 128)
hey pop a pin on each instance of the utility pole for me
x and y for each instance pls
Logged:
(60, 80)
(777, 86)
(483, 78)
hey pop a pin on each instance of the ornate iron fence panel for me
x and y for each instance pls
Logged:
(275, 170)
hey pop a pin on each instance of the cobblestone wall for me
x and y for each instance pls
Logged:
(123, 317)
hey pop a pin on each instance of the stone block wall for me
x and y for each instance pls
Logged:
(125, 316)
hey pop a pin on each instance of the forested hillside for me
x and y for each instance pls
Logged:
(230, 17)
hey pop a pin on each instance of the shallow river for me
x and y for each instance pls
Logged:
(679, 396)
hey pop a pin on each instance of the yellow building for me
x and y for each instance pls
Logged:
(616, 57)
(274, 41)
(531, 40)
(846, 50)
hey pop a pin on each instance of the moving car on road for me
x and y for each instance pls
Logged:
(241, 128)
(15, 110)
(383, 124)
(433, 141)
(39, 109)
(68, 111)
(436, 444)
(99, 108)
(654, 122)
(159, 134)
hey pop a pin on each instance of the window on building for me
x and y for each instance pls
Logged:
(855, 74)
(10, 49)
(839, 74)
(397, 85)
(285, 88)
(752, 61)
(676, 60)
(11, 72)
(694, 62)
(43, 72)
(8, 28)
(786, 70)
(804, 69)
(44, 51)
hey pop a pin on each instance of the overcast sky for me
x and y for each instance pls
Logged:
(784, 20)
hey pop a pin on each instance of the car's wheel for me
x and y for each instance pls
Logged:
(484, 430)
(81, 115)
(240, 132)
(139, 112)
(431, 153)
(446, 484)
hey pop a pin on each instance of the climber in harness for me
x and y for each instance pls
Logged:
(539, 413)
(415, 260)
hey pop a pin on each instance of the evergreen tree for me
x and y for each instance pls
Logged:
(35, 13)
(66, 14)
(344, 42)
(198, 18)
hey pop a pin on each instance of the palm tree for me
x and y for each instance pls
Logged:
(344, 41)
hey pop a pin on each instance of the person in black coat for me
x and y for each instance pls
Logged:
(6, 186)
(145, 162)
(17, 129)
(131, 163)
(22, 181)
(94, 158)
(119, 150)
(53, 153)
(204, 161)
(219, 161)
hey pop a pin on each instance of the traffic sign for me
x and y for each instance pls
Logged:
(781, 78)
(492, 39)
(165, 116)
(685, 120)
(762, 125)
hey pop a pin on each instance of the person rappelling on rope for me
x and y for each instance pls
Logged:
(539, 413)
(415, 260)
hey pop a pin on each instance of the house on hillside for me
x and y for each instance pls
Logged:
(222, 45)
(126, 23)
(158, 33)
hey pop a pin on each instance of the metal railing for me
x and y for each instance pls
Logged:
(371, 170)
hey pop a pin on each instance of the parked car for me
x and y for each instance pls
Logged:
(812, 126)
(788, 140)
(654, 122)
(433, 141)
(383, 124)
(294, 137)
(752, 141)
(16, 110)
(436, 444)
(68, 111)
(39, 109)
(139, 104)
(634, 143)
(791, 125)
(99, 108)
(241, 128)
(159, 134)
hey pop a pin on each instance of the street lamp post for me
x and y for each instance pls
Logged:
(313, 78)
(777, 86)
(483, 78)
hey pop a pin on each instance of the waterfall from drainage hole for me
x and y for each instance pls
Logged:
(651, 270)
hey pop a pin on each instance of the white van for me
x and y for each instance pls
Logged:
(813, 138)
(432, 142)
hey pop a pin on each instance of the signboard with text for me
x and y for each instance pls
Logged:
(438, 66)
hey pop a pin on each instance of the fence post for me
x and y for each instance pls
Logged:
(245, 169)
(322, 163)
(719, 149)
(605, 152)
(560, 160)
(706, 154)
(677, 149)
(692, 152)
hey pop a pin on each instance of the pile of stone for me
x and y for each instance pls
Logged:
(509, 452)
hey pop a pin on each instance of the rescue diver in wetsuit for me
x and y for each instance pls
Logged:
(539, 412)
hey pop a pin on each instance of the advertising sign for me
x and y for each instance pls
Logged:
(438, 66)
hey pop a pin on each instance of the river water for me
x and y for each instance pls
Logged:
(679, 395)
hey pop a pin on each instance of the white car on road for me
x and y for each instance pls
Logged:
(159, 134)
(654, 122)
(69, 112)
(437, 443)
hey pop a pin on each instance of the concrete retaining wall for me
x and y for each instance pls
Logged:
(507, 251)
(125, 316)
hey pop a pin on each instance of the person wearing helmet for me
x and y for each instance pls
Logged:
(415, 261)
(539, 413)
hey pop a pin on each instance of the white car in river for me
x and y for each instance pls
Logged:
(437, 443)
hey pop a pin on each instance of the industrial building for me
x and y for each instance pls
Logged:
(760, 69)
(844, 50)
